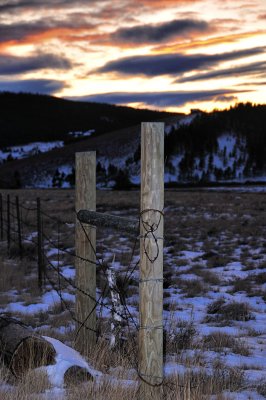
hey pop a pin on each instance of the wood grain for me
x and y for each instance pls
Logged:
(151, 261)
(85, 270)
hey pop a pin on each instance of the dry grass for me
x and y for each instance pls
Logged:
(229, 311)
(221, 342)
(214, 223)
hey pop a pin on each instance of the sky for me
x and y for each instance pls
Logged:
(171, 55)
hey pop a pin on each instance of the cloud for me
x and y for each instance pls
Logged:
(225, 98)
(212, 41)
(11, 65)
(256, 68)
(11, 5)
(20, 31)
(160, 32)
(158, 99)
(157, 4)
(41, 86)
(172, 64)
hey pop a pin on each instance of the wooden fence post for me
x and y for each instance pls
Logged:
(85, 249)
(19, 226)
(151, 261)
(40, 244)
(8, 223)
(1, 217)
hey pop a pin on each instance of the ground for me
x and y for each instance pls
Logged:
(214, 290)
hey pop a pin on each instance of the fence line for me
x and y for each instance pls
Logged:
(150, 221)
(26, 230)
(12, 231)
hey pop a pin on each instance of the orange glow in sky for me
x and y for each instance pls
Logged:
(169, 55)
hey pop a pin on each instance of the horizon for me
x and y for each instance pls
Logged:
(183, 55)
(225, 108)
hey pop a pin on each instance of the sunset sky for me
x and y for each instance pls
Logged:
(171, 55)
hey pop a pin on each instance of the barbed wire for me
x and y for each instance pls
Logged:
(149, 232)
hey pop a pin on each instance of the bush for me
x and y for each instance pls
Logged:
(182, 336)
(231, 311)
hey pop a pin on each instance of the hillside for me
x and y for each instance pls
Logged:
(225, 145)
(201, 148)
(26, 118)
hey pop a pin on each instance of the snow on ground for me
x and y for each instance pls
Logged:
(47, 301)
(66, 357)
(190, 292)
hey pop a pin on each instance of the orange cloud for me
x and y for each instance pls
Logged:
(170, 3)
(206, 42)
(63, 34)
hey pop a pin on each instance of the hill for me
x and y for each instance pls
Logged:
(201, 148)
(223, 145)
(26, 118)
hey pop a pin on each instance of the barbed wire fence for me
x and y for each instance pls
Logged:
(22, 226)
(22, 233)
(17, 231)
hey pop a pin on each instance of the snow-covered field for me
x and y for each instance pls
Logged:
(214, 286)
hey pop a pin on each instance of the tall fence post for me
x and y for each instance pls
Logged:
(40, 244)
(85, 253)
(151, 261)
(8, 223)
(19, 226)
(1, 217)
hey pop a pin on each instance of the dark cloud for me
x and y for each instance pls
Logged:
(160, 32)
(256, 68)
(42, 86)
(158, 99)
(12, 65)
(19, 31)
(11, 5)
(225, 98)
(253, 83)
(172, 64)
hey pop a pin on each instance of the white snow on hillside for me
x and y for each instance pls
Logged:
(187, 120)
(78, 134)
(27, 150)
(226, 164)
(226, 143)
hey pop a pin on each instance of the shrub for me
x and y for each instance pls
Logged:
(194, 287)
(261, 278)
(218, 341)
(231, 311)
(182, 336)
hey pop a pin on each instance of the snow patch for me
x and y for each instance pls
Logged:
(66, 357)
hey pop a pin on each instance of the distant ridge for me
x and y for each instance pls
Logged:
(222, 147)
(26, 117)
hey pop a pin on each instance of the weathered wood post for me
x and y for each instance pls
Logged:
(19, 227)
(40, 244)
(151, 261)
(1, 216)
(85, 252)
(8, 223)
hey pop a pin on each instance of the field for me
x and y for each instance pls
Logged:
(214, 294)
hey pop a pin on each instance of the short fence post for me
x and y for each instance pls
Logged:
(19, 226)
(8, 223)
(85, 261)
(40, 244)
(1, 217)
(151, 261)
